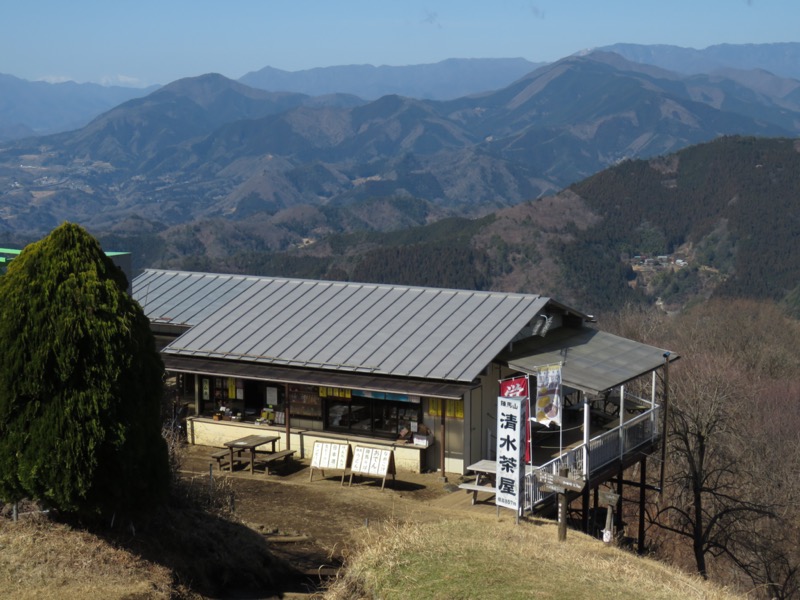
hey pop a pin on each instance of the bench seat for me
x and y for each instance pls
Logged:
(475, 488)
(223, 458)
(270, 457)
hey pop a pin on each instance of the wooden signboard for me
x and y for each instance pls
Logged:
(607, 498)
(372, 462)
(330, 455)
(560, 483)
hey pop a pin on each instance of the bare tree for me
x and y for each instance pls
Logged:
(731, 491)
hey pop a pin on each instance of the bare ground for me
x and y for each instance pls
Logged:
(311, 523)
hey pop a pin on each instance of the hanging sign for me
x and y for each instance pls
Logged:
(548, 395)
(518, 387)
(510, 452)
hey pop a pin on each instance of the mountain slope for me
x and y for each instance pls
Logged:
(212, 148)
(782, 59)
(720, 218)
(37, 108)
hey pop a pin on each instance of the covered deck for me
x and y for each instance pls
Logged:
(615, 393)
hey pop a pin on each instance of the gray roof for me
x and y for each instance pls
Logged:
(378, 329)
(593, 361)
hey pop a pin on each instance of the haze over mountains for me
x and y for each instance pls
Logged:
(209, 147)
(38, 108)
(207, 172)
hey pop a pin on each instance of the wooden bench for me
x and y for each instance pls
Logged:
(223, 458)
(270, 457)
(475, 488)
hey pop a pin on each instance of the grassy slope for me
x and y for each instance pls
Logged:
(476, 558)
(484, 559)
(41, 559)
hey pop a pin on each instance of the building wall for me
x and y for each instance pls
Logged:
(207, 432)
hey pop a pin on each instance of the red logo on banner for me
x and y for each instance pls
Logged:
(514, 388)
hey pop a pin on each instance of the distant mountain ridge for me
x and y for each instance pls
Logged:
(781, 59)
(39, 108)
(212, 148)
(445, 80)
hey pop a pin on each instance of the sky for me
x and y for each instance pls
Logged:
(144, 42)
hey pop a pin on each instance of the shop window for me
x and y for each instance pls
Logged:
(305, 401)
(371, 416)
(453, 408)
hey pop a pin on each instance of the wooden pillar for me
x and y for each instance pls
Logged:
(642, 497)
(443, 404)
(585, 516)
(286, 417)
(618, 519)
(197, 408)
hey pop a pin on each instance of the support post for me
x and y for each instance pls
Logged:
(618, 519)
(664, 416)
(585, 517)
(562, 508)
(443, 404)
(286, 417)
(642, 498)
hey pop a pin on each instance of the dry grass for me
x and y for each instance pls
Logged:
(484, 559)
(193, 548)
(41, 559)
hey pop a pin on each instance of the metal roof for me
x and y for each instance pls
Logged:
(427, 333)
(593, 361)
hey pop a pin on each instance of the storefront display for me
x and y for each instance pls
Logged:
(304, 401)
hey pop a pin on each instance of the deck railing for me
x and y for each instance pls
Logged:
(601, 451)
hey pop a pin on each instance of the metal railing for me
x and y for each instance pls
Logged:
(602, 450)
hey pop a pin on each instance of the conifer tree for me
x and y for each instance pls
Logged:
(80, 383)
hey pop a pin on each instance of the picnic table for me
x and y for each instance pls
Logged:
(250, 442)
(485, 475)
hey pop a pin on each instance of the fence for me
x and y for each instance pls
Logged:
(602, 450)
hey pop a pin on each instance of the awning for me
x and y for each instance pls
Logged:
(218, 368)
(592, 361)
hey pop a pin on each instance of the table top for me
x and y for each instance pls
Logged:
(484, 466)
(252, 441)
(490, 466)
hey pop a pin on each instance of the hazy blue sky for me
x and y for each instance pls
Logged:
(147, 41)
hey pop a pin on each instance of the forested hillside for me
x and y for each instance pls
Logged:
(721, 218)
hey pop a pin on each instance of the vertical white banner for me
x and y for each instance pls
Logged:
(548, 395)
(510, 452)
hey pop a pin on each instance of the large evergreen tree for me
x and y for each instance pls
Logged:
(80, 382)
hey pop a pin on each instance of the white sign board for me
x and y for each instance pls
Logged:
(329, 455)
(374, 462)
(510, 452)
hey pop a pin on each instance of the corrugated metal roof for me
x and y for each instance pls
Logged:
(381, 329)
(593, 361)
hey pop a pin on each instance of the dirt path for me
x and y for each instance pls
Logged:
(310, 524)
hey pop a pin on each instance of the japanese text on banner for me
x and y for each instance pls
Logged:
(510, 452)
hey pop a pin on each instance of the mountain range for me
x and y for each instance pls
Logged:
(212, 174)
(38, 108)
(212, 148)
